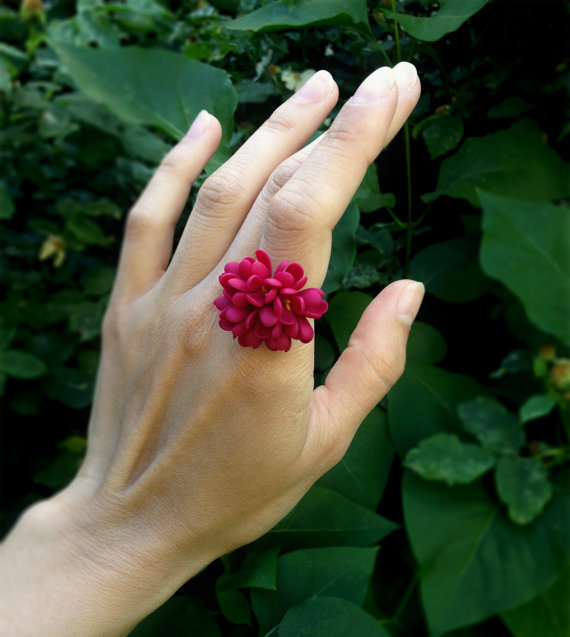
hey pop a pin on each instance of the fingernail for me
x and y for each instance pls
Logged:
(375, 86)
(406, 76)
(199, 125)
(409, 302)
(315, 88)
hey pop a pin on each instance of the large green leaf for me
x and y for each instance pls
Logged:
(450, 270)
(326, 518)
(343, 249)
(547, 615)
(523, 485)
(362, 473)
(345, 310)
(176, 618)
(426, 344)
(151, 86)
(474, 562)
(515, 162)
(450, 16)
(495, 427)
(444, 457)
(525, 246)
(285, 14)
(423, 403)
(20, 364)
(320, 572)
(329, 617)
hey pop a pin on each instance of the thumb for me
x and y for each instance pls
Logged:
(368, 367)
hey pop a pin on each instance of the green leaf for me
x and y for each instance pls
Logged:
(547, 615)
(343, 250)
(444, 457)
(473, 561)
(511, 107)
(362, 275)
(515, 163)
(537, 407)
(525, 246)
(450, 16)
(423, 403)
(233, 604)
(250, 92)
(151, 86)
(523, 485)
(283, 14)
(320, 572)
(426, 344)
(179, 617)
(7, 206)
(72, 387)
(19, 364)
(362, 473)
(450, 270)
(330, 617)
(345, 310)
(259, 570)
(86, 231)
(442, 134)
(495, 427)
(326, 518)
(62, 470)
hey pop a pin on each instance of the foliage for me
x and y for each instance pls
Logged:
(448, 513)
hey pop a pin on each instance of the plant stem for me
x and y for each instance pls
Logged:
(396, 34)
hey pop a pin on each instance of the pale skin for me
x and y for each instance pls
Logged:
(197, 446)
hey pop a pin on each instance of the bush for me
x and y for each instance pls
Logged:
(448, 513)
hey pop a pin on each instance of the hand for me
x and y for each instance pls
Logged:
(197, 445)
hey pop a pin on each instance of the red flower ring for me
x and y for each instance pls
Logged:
(258, 306)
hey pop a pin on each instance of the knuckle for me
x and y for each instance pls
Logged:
(221, 189)
(281, 121)
(140, 220)
(283, 173)
(291, 211)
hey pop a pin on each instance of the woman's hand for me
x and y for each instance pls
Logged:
(197, 445)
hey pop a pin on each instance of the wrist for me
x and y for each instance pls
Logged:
(66, 569)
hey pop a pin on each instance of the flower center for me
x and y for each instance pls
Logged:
(287, 304)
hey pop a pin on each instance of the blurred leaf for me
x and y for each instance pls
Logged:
(444, 457)
(450, 270)
(450, 16)
(496, 428)
(233, 604)
(326, 518)
(362, 473)
(259, 570)
(86, 318)
(330, 617)
(62, 470)
(511, 107)
(515, 163)
(72, 387)
(368, 196)
(343, 249)
(179, 617)
(7, 207)
(426, 344)
(283, 14)
(473, 561)
(547, 615)
(151, 86)
(424, 401)
(98, 281)
(86, 231)
(250, 92)
(362, 275)
(345, 310)
(21, 364)
(523, 485)
(309, 573)
(525, 246)
(442, 134)
(537, 407)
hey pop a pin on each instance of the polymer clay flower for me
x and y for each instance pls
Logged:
(261, 306)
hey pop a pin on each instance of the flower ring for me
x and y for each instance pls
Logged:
(258, 306)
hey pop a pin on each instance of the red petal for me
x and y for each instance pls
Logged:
(253, 283)
(236, 314)
(256, 298)
(237, 284)
(281, 266)
(222, 303)
(287, 291)
(287, 318)
(272, 282)
(239, 299)
(286, 279)
(226, 325)
(267, 316)
(245, 268)
(283, 343)
(270, 296)
(276, 330)
(261, 331)
(278, 306)
(232, 266)
(292, 330)
(300, 283)
(296, 270)
(305, 330)
(263, 257)
(260, 270)
(239, 328)
(251, 319)
(298, 304)
(249, 339)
